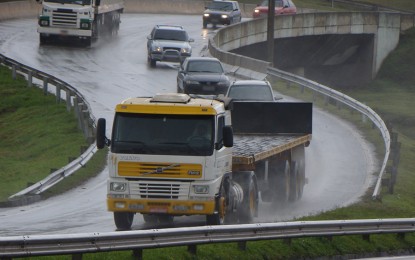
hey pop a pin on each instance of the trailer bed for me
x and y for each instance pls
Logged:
(249, 149)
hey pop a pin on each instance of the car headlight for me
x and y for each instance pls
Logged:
(186, 50)
(118, 186)
(157, 48)
(206, 15)
(224, 16)
(192, 82)
(201, 189)
(256, 11)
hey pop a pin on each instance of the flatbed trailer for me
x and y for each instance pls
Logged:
(248, 151)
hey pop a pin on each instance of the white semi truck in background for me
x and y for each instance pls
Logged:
(82, 20)
(178, 155)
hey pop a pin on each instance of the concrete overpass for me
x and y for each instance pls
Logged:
(337, 49)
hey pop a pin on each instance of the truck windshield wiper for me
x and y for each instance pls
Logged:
(162, 169)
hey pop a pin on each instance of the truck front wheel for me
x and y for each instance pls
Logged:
(123, 220)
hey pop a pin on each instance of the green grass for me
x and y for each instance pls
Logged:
(36, 135)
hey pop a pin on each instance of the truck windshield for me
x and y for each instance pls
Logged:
(163, 134)
(75, 2)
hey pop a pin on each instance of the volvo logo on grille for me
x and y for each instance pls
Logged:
(190, 172)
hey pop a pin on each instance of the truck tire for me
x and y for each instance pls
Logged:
(249, 206)
(43, 39)
(294, 182)
(282, 182)
(123, 220)
(298, 156)
(204, 25)
(224, 209)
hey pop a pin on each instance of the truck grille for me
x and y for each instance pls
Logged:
(64, 18)
(160, 190)
(156, 170)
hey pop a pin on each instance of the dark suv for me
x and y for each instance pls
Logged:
(221, 12)
(168, 43)
(202, 75)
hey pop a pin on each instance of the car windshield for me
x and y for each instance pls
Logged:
(76, 2)
(204, 66)
(250, 92)
(162, 134)
(223, 6)
(173, 35)
(278, 3)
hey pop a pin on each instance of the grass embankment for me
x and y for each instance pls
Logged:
(36, 134)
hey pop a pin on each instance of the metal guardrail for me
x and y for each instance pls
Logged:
(86, 123)
(350, 102)
(75, 244)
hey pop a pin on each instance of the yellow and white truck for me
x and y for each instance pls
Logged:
(174, 154)
(82, 20)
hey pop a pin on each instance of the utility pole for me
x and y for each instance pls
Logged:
(270, 31)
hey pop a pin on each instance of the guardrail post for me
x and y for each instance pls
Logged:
(29, 79)
(45, 86)
(14, 71)
(77, 257)
(242, 245)
(58, 94)
(192, 249)
(68, 100)
(138, 253)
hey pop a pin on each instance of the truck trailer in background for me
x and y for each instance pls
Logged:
(81, 20)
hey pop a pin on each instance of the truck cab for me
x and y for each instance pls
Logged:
(160, 162)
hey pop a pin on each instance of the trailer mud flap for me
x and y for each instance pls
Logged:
(250, 117)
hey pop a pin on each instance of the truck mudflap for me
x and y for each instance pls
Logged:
(253, 117)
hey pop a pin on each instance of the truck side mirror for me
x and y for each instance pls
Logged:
(97, 2)
(227, 136)
(101, 139)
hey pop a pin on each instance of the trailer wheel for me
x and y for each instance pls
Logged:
(250, 206)
(123, 220)
(294, 182)
(282, 192)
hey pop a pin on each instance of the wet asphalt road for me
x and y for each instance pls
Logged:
(340, 163)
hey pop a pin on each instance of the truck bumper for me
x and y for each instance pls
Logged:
(64, 32)
(177, 207)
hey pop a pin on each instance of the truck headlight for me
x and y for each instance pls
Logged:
(201, 189)
(118, 186)
(44, 21)
(85, 24)
(224, 16)
(206, 15)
